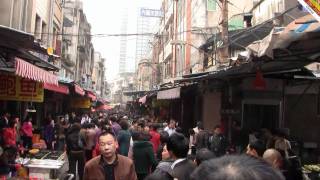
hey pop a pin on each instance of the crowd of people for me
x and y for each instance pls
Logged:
(117, 147)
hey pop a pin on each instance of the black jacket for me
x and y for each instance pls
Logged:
(183, 169)
(73, 140)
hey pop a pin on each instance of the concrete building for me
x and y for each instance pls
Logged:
(71, 13)
(123, 42)
(147, 22)
(43, 18)
(98, 75)
(144, 75)
(264, 10)
(125, 83)
(187, 25)
(84, 65)
(18, 14)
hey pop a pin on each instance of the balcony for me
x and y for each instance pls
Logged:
(168, 15)
(67, 60)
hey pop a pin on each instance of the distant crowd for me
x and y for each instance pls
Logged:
(116, 147)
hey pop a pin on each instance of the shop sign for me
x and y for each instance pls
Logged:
(15, 88)
(81, 102)
(313, 6)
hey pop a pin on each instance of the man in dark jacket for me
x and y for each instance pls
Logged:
(143, 156)
(178, 147)
(202, 137)
(109, 165)
(75, 150)
(218, 142)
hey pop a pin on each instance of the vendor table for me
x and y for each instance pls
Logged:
(46, 165)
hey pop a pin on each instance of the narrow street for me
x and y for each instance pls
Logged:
(160, 90)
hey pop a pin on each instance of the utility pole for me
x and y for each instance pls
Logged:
(224, 50)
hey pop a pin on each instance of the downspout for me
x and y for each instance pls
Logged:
(25, 16)
(50, 26)
(21, 15)
(175, 37)
(11, 13)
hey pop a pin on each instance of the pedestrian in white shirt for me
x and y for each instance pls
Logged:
(171, 128)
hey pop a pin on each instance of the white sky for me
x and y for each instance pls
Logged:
(105, 18)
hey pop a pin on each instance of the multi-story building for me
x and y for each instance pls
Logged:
(144, 77)
(43, 18)
(187, 25)
(123, 42)
(18, 14)
(71, 13)
(147, 22)
(265, 10)
(125, 83)
(84, 65)
(98, 74)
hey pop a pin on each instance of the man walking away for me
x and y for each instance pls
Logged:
(75, 150)
(202, 138)
(178, 146)
(218, 142)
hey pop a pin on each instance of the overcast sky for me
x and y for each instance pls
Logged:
(105, 18)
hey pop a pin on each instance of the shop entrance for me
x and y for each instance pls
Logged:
(257, 115)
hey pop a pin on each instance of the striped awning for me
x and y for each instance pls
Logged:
(91, 95)
(57, 88)
(29, 71)
(79, 90)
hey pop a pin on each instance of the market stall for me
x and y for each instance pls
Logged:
(45, 164)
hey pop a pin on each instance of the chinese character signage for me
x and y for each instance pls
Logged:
(15, 88)
(81, 102)
(313, 6)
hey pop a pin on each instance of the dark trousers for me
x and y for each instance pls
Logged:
(141, 176)
(27, 142)
(88, 154)
(76, 157)
(59, 146)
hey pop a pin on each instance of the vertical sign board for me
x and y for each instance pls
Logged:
(313, 6)
(15, 88)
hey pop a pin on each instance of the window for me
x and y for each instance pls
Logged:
(44, 32)
(37, 28)
(211, 5)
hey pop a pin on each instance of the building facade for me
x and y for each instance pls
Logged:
(98, 75)
(123, 42)
(71, 15)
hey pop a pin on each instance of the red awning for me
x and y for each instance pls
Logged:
(91, 95)
(103, 107)
(79, 90)
(60, 88)
(27, 70)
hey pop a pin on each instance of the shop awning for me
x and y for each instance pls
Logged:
(60, 88)
(29, 71)
(103, 107)
(169, 94)
(78, 90)
(91, 95)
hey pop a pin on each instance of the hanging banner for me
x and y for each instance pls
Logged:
(313, 6)
(15, 88)
(80, 102)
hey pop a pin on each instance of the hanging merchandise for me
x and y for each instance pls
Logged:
(259, 83)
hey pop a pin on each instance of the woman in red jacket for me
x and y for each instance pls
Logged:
(10, 134)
